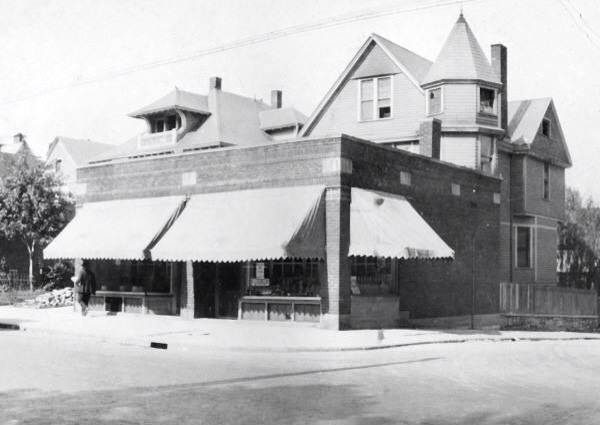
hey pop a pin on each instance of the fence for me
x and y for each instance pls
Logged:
(523, 299)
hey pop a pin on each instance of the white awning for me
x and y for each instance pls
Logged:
(120, 229)
(386, 225)
(244, 225)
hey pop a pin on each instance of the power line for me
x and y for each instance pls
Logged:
(580, 23)
(329, 22)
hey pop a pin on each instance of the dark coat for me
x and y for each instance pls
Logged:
(85, 282)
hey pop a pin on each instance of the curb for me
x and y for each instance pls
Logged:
(146, 341)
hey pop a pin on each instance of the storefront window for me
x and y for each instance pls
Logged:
(288, 277)
(371, 275)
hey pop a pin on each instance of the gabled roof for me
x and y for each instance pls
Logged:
(80, 150)
(177, 99)
(411, 64)
(415, 64)
(461, 58)
(273, 119)
(524, 121)
(525, 117)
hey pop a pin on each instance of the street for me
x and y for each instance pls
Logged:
(52, 380)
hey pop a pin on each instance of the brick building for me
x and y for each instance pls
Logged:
(411, 191)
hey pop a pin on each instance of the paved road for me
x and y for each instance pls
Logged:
(63, 380)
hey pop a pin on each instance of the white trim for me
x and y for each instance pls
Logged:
(373, 38)
(375, 98)
(496, 101)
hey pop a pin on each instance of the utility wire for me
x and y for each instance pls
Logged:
(580, 23)
(329, 22)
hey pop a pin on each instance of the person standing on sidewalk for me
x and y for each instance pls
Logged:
(85, 286)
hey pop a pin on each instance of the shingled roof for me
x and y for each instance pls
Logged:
(461, 58)
(177, 99)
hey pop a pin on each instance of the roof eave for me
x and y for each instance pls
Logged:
(478, 81)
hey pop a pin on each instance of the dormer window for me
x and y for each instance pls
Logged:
(165, 123)
(487, 101)
(434, 101)
(375, 96)
(546, 128)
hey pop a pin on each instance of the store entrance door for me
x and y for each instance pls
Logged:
(217, 289)
(228, 289)
(204, 289)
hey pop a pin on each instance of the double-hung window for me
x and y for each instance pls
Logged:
(523, 246)
(375, 98)
(546, 192)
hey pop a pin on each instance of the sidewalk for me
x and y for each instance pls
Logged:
(181, 334)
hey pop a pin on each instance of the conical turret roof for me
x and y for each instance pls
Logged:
(461, 58)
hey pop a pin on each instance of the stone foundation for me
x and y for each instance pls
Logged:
(550, 322)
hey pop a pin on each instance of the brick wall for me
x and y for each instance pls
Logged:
(534, 180)
(438, 288)
(426, 288)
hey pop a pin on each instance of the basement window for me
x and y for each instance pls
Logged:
(546, 131)
(487, 100)
(375, 96)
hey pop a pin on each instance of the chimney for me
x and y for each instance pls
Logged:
(214, 83)
(18, 138)
(499, 66)
(276, 99)
(430, 133)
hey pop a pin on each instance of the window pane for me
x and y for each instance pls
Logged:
(486, 100)
(523, 247)
(366, 110)
(384, 88)
(384, 109)
(366, 90)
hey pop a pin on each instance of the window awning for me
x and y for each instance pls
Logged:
(121, 229)
(244, 225)
(386, 225)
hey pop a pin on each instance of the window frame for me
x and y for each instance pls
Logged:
(546, 181)
(375, 98)
(427, 105)
(529, 248)
(494, 112)
(547, 121)
(492, 156)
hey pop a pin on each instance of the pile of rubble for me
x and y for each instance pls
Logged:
(55, 298)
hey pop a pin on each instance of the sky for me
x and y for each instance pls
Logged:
(76, 68)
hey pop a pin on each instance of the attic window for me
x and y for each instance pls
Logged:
(57, 165)
(546, 131)
(166, 123)
(375, 96)
(487, 100)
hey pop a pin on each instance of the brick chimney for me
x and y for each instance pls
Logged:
(430, 134)
(499, 66)
(214, 83)
(276, 99)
